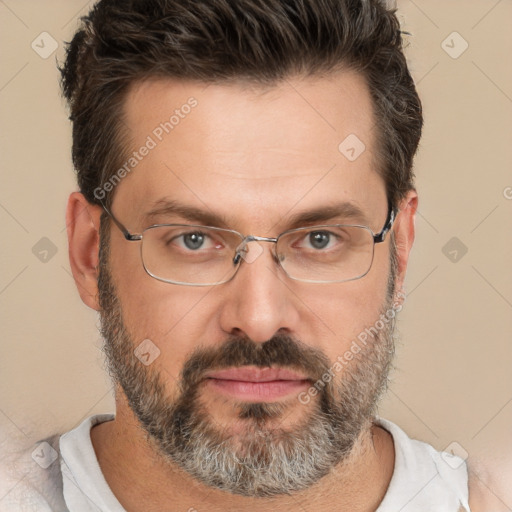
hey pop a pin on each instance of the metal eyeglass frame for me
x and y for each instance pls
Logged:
(136, 237)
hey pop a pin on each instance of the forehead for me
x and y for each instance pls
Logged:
(248, 153)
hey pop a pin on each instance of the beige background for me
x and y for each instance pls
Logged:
(453, 381)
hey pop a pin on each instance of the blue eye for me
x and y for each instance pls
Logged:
(319, 239)
(193, 241)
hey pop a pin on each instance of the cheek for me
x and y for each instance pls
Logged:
(347, 309)
(151, 308)
(175, 318)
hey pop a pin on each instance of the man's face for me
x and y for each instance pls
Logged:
(255, 159)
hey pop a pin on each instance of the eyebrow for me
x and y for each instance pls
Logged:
(166, 207)
(343, 210)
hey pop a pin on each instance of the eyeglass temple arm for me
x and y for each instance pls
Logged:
(129, 236)
(392, 213)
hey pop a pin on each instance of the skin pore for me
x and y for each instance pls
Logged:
(254, 158)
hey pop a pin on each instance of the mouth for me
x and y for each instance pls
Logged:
(252, 384)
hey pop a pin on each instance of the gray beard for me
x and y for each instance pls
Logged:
(265, 459)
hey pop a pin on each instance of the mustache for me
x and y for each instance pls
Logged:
(281, 351)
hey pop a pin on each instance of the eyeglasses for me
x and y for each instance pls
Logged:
(195, 255)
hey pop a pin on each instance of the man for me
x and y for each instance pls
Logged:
(243, 227)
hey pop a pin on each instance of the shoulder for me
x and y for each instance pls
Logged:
(424, 478)
(32, 477)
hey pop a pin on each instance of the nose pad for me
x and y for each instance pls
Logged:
(239, 252)
(252, 252)
(248, 252)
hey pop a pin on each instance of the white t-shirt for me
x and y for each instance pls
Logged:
(423, 479)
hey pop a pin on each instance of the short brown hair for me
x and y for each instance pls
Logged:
(124, 41)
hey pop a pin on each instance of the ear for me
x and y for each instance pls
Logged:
(404, 230)
(83, 224)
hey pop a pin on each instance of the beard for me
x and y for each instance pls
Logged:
(264, 459)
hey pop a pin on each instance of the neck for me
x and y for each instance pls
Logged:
(142, 480)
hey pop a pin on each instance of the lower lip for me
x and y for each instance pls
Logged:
(257, 391)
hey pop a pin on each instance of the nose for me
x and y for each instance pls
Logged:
(259, 301)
